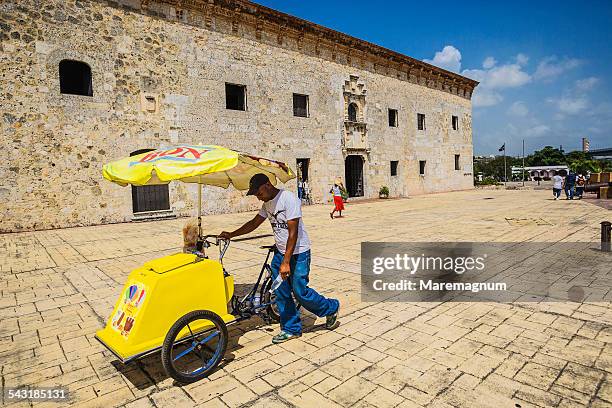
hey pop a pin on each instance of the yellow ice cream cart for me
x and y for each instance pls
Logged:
(181, 303)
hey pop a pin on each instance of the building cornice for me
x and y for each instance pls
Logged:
(283, 26)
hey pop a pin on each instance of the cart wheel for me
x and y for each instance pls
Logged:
(194, 346)
(268, 297)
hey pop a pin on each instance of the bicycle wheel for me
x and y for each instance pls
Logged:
(268, 297)
(194, 346)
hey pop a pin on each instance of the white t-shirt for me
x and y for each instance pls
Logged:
(557, 181)
(282, 208)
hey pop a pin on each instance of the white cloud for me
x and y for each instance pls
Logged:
(449, 58)
(551, 67)
(522, 59)
(499, 77)
(570, 105)
(507, 76)
(494, 78)
(518, 108)
(489, 62)
(483, 97)
(586, 84)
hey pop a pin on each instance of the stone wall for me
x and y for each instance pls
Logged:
(54, 144)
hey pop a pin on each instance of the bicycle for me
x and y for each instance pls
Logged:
(249, 303)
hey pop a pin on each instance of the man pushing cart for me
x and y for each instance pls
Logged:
(291, 257)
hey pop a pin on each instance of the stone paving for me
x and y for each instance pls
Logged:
(59, 286)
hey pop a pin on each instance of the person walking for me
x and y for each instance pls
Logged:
(291, 257)
(570, 182)
(580, 183)
(336, 192)
(300, 186)
(557, 185)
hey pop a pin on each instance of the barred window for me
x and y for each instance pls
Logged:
(421, 121)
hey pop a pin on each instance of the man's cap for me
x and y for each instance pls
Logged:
(257, 181)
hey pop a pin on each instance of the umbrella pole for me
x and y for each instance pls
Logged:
(199, 211)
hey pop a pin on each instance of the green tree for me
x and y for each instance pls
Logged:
(494, 167)
(582, 162)
(548, 156)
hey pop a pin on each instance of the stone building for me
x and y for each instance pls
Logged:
(85, 82)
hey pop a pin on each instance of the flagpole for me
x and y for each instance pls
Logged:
(523, 162)
(505, 171)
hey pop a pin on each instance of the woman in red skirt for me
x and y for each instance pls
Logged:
(336, 190)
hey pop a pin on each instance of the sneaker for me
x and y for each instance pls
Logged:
(331, 321)
(284, 336)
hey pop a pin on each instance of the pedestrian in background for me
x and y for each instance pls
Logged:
(580, 183)
(557, 185)
(336, 192)
(570, 182)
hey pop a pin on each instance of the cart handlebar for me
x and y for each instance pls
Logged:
(222, 243)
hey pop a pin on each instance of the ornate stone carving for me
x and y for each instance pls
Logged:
(355, 132)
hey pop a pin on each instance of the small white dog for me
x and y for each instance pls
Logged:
(190, 237)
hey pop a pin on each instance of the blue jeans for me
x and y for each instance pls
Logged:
(556, 192)
(298, 283)
(569, 191)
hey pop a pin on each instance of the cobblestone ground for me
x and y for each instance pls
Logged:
(58, 287)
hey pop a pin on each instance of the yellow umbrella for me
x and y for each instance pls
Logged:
(211, 165)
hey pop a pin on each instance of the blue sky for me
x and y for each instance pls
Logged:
(545, 66)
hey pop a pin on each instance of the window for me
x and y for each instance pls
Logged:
(422, 167)
(457, 162)
(300, 105)
(394, 164)
(75, 78)
(352, 112)
(421, 121)
(455, 122)
(235, 97)
(393, 117)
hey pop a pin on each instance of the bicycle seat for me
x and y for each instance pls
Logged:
(267, 247)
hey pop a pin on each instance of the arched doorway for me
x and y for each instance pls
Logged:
(149, 198)
(353, 174)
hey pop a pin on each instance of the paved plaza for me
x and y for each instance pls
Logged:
(59, 287)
